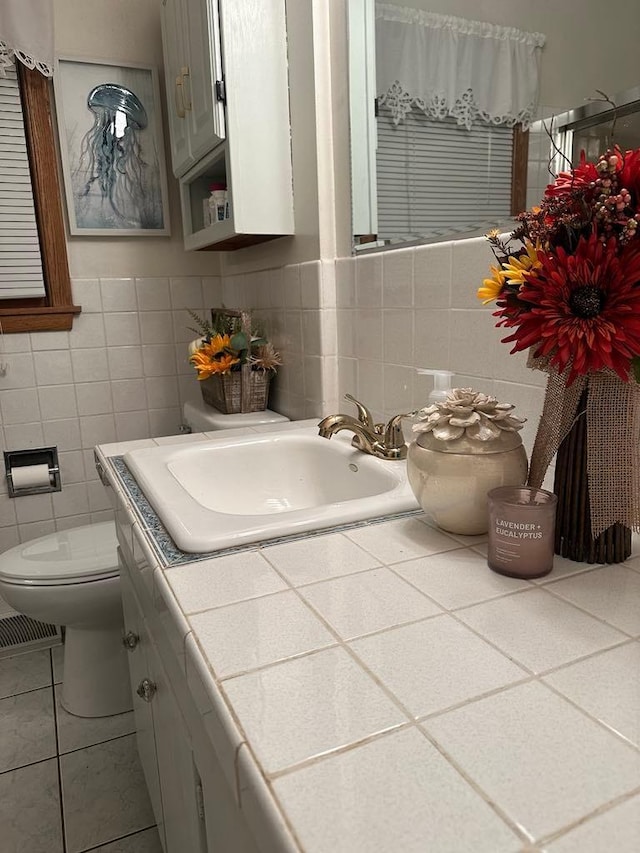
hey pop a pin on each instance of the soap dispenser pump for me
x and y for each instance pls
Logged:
(441, 384)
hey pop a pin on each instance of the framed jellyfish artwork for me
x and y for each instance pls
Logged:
(110, 129)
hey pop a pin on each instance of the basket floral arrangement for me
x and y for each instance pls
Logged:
(569, 293)
(233, 361)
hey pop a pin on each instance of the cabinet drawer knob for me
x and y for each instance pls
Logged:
(130, 640)
(146, 689)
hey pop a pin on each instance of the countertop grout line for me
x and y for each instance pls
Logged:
(589, 613)
(602, 725)
(341, 749)
(520, 832)
(445, 608)
(603, 808)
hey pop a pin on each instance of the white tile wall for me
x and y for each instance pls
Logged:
(113, 377)
(354, 325)
(411, 308)
(296, 308)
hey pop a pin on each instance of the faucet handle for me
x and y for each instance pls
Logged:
(364, 415)
(393, 435)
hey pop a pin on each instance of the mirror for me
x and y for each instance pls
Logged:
(399, 199)
(445, 102)
(596, 126)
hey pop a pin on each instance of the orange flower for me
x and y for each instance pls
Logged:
(219, 342)
(211, 358)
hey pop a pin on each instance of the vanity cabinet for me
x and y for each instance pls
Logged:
(165, 751)
(193, 805)
(226, 79)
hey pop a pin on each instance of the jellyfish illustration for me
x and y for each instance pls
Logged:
(111, 164)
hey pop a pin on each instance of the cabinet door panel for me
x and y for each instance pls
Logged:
(175, 61)
(183, 827)
(226, 827)
(205, 113)
(138, 670)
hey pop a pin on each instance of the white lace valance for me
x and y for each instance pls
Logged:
(26, 33)
(449, 66)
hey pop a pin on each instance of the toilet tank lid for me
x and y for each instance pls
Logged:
(73, 555)
(203, 418)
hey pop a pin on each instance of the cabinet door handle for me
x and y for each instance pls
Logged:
(147, 689)
(130, 640)
(179, 99)
(184, 72)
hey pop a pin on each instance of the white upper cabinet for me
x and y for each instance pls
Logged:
(191, 44)
(227, 89)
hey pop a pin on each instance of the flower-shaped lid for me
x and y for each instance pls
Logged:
(468, 421)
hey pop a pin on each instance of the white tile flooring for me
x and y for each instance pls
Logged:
(67, 784)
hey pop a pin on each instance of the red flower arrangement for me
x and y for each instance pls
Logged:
(571, 291)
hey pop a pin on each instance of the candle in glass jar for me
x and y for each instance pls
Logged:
(521, 531)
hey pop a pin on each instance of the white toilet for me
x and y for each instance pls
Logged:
(72, 578)
(201, 417)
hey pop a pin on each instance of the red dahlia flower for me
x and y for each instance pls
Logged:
(581, 310)
(577, 179)
(629, 174)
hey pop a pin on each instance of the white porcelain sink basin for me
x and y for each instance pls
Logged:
(232, 491)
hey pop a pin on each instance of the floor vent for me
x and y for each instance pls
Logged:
(20, 634)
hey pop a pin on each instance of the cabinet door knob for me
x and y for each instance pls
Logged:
(146, 689)
(130, 640)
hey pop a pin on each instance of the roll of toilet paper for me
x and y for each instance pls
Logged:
(29, 476)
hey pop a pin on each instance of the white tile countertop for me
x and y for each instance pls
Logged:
(386, 691)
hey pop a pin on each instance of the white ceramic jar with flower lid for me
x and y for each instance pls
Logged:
(465, 446)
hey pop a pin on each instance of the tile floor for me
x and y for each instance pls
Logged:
(67, 784)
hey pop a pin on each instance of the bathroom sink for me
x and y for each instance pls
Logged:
(238, 490)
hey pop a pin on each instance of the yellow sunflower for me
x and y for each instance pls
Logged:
(491, 287)
(219, 342)
(211, 358)
(516, 267)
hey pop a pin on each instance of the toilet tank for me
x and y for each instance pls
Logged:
(203, 418)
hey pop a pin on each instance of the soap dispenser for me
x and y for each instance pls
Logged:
(441, 384)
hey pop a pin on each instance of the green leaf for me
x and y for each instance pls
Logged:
(635, 367)
(239, 341)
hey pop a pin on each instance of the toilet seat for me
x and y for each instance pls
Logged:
(74, 556)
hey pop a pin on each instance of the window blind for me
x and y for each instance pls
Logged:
(436, 178)
(20, 261)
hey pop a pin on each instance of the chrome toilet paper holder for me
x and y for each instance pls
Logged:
(14, 459)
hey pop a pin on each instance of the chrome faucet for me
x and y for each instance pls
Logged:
(385, 441)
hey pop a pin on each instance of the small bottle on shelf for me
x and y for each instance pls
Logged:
(218, 207)
(206, 213)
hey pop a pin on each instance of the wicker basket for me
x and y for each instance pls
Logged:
(243, 390)
(225, 391)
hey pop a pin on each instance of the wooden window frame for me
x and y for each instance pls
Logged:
(55, 311)
(519, 166)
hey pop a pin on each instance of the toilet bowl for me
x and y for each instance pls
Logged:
(201, 417)
(72, 578)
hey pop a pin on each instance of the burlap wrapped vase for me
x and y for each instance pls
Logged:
(594, 428)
